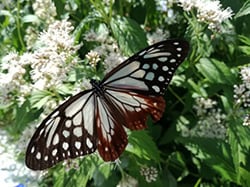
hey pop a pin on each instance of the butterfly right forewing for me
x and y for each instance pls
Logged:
(150, 70)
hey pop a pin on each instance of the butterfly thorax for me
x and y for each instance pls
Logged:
(96, 85)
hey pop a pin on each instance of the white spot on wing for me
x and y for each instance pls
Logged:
(156, 88)
(38, 155)
(77, 131)
(165, 68)
(89, 143)
(155, 66)
(78, 144)
(54, 152)
(161, 78)
(32, 149)
(68, 123)
(56, 139)
(150, 76)
(138, 74)
(65, 133)
(172, 60)
(163, 59)
(77, 120)
(145, 66)
(65, 145)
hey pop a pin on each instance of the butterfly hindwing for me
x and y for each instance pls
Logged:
(135, 108)
(68, 132)
(112, 138)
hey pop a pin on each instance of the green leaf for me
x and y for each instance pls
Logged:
(129, 34)
(245, 48)
(215, 153)
(101, 174)
(196, 88)
(245, 10)
(142, 145)
(240, 146)
(30, 19)
(39, 99)
(24, 115)
(216, 71)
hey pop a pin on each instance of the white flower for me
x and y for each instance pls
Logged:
(55, 57)
(246, 121)
(83, 85)
(242, 91)
(157, 36)
(211, 120)
(46, 68)
(208, 11)
(45, 10)
(96, 36)
(93, 58)
(112, 60)
(150, 173)
(245, 74)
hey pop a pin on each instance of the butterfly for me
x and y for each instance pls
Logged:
(96, 119)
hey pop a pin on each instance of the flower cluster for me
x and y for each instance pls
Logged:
(208, 11)
(93, 58)
(150, 173)
(45, 10)
(211, 120)
(45, 68)
(108, 50)
(157, 36)
(246, 121)
(242, 91)
(242, 94)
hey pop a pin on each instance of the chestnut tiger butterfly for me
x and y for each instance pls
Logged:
(97, 118)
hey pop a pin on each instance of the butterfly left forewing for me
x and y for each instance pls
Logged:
(68, 132)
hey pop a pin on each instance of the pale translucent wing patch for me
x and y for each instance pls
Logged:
(112, 138)
(135, 108)
(66, 133)
(150, 70)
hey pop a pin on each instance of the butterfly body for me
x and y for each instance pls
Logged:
(97, 118)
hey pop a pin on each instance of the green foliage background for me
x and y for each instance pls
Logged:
(211, 70)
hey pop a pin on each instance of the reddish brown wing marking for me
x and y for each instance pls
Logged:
(123, 109)
(112, 138)
(136, 108)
